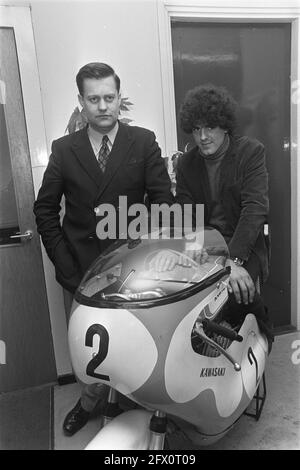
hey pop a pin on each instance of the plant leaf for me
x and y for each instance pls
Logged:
(125, 120)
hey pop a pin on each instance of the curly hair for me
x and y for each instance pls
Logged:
(210, 106)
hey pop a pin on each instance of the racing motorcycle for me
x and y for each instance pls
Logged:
(147, 321)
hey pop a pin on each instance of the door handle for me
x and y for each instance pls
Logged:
(28, 235)
(286, 144)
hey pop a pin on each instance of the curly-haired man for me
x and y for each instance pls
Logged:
(227, 173)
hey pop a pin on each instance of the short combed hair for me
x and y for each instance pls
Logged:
(95, 70)
(210, 106)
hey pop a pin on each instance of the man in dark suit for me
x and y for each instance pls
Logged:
(95, 165)
(228, 175)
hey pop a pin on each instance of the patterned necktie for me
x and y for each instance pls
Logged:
(103, 153)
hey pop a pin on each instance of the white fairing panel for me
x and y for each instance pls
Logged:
(128, 431)
(126, 354)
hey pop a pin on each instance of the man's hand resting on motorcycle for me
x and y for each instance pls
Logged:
(240, 284)
(166, 260)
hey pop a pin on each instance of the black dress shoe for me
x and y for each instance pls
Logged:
(75, 419)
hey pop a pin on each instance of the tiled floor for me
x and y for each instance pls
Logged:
(278, 427)
(26, 419)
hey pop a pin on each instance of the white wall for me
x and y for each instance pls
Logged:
(119, 32)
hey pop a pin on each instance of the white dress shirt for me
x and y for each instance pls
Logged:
(96, 138)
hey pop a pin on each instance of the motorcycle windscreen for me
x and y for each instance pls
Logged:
(157, 265)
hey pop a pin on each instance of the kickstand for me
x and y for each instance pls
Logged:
(258, 400)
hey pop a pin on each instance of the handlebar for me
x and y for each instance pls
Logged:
(200, 332)
(133, 296)
(115, 294)
(221, 330)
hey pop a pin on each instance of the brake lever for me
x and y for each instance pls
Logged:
(199, 330)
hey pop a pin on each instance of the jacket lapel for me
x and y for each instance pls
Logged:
(119, 154)
(85, 154)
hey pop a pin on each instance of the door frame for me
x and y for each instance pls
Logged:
(19, 18)
(239, 12)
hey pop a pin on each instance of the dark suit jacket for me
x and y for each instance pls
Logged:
(135, 167)
(243, 194)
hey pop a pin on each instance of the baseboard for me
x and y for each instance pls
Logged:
(66, 379)
(281, 330)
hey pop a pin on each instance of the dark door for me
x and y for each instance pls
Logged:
(24, 317)
(253, 61)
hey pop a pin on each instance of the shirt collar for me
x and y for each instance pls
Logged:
(96, 137)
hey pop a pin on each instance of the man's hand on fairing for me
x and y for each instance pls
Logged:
(240, 284)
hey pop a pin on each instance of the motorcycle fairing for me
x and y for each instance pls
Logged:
(157, 350)
(138, 340)
(220, 399)
(137, 357)
(123, 366)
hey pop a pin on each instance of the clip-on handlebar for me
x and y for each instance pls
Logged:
(221, 330)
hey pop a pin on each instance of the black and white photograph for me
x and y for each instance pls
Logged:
(149, 227)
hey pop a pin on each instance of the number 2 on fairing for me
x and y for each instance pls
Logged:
(102, 332)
